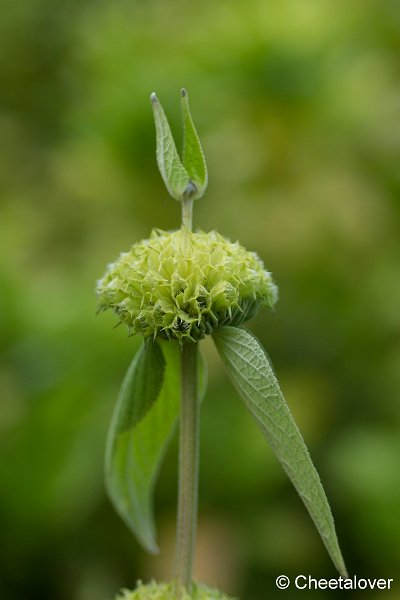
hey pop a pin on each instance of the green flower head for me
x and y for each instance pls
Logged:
(184, 285)
(167, 591)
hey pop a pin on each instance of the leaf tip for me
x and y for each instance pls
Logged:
(184, 93)
(153, 98)
(153, 549)
(343, 572)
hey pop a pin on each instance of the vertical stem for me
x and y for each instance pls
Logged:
(188, 468)
(187, 212)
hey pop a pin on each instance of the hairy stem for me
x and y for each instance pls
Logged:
(188, 468)
(187, 212)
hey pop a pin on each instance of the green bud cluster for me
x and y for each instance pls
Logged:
(167, 591)
(183, 285)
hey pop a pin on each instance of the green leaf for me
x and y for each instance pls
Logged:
(142, 425)
(252, 375)
(172, 171)
(141, 386)
(192, 154)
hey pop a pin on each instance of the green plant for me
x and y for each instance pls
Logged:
(174, 289)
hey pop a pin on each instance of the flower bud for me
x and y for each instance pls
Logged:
(184, 285)
(167, 591)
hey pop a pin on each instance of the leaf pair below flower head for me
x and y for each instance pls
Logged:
(186, 178)
(146, 413)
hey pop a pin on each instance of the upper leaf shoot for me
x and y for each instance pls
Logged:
(172, 171)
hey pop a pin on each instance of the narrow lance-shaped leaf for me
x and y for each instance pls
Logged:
(252, 375)
(141, 427)
(192, 154)
(172, 171)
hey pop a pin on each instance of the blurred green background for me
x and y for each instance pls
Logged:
(298, 108)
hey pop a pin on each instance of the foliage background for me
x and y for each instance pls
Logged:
(298, 107)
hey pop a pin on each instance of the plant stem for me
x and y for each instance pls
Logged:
(188, 468)
(187, 212)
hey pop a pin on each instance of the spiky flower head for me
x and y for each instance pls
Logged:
(183, 285)
(167, 591)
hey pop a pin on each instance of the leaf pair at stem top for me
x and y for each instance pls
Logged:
(185, 179)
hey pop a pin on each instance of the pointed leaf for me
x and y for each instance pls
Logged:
(172, 171)
(141, 386)
(192, 154)
(252, 375)
(141, 428)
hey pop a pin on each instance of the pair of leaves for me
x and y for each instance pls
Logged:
(186, 178)
(142, 425)
(147, 411)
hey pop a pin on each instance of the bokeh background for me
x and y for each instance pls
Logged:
(298, 107)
